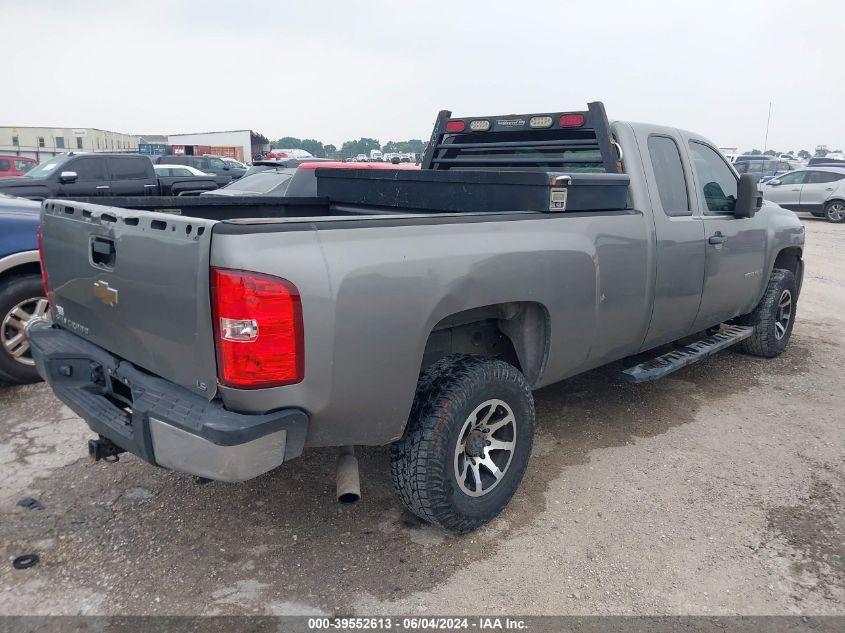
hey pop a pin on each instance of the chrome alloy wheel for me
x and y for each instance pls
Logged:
(784, 314)
(836, 211)
(485, 447)
(12, 332)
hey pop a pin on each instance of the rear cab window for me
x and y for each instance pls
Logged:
(669, 175)
(129, 168)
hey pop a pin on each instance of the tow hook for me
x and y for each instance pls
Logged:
(103, 448)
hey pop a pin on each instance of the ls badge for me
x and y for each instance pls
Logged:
(105, 293)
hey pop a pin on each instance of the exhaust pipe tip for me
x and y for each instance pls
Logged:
(348, 481)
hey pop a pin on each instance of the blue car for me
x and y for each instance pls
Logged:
(21, 289)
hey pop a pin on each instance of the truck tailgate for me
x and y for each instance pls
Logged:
(135, 283)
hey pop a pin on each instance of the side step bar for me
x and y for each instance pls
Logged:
(665, 364)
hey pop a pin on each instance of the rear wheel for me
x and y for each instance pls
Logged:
(834, 211)
(467, 442)
(773, 317)
(21, 299)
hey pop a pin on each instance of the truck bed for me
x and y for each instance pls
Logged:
(345, 192)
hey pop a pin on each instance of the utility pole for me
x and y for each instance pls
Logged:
(768, 120)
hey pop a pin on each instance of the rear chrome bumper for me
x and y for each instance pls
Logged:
(160, 422)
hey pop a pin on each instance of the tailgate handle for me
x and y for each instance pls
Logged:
(102, 251)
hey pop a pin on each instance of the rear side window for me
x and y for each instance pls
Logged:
(669, 174)
(818, 177)
(180, 171)
(216, 163)
(4, 164)
(89, 168)
(716, 181)
(129, 168)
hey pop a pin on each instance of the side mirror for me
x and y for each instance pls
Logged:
(748, 197)
(67, 177)
(227, 168)
(774, 182)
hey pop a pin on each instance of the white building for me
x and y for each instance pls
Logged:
(251, 142)
(42, 143)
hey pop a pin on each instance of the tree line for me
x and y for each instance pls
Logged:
(802, 154)
(350, 148)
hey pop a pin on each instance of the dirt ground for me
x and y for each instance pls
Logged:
(719, 490)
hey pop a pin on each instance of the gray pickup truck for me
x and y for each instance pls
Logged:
(416, 308)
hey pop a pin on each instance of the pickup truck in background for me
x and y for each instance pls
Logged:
(209, 164)
(416, 308)
(82, 174)
(21, 287)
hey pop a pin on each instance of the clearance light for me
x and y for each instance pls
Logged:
(571, 120)
(540, 121)
(40, 242)
(258, 329)
(480, 125)
(455, 126)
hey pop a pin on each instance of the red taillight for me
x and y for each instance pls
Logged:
(455, 126)
(571, 120)
(40, 240)
(257, 328)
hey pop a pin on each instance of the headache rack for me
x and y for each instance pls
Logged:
(561, 141)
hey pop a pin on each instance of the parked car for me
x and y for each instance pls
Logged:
(288, 153)
(21, 288)
(277, 163)
(179, 170)
(234, 164)
(208, 164)
(15, 165)
(762, 169)
(416, 308)
(824, 161)
(75, 175)
(820, 190)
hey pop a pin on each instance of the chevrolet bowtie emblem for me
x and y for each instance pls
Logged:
(105, 293)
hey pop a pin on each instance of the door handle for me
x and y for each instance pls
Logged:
(101, 187)
(828, 189)
(795, 190)
(716, 239)
(149, 185)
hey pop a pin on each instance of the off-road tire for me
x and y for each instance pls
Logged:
(834, 211)
(423, 462)
(12, 292)
(766, 341)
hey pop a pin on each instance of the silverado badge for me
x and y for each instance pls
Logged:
(105, 293)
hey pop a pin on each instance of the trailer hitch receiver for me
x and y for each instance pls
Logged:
(103, 448)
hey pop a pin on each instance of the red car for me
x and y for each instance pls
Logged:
(16, 165)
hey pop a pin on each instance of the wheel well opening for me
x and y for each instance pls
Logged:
(789, 259)
(30, 268)
(515, 332)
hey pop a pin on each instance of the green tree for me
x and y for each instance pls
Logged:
(770, 152)
(755, 152)
(314, 147)
(414, 145)
(804, 155)
(821, 152)
(288, 142)
(361, 146)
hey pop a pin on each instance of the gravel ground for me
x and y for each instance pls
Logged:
(718, 490)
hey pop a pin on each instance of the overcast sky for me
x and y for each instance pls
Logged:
(340, 70)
